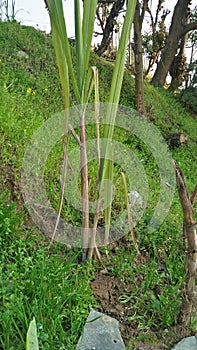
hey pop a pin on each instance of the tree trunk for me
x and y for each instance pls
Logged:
(178, 66)
(138, 58)
(189, 296)
(177, 29)
(109, 26)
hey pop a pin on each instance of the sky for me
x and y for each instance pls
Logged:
(34, 13)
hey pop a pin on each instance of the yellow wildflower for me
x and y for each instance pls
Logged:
(29, 90)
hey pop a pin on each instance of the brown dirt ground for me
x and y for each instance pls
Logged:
(107, 291)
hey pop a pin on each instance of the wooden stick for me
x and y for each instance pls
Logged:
(193, 196)
(191, 258)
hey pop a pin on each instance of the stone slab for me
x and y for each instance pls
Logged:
(101, 332)
(189, 343)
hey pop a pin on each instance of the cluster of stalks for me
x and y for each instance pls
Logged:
(85, 81)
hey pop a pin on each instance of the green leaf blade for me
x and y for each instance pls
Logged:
(79, 47)
(87, 28)
(62, 49)
(106, 170)
(32, 338)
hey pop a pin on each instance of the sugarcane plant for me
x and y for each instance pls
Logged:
(84, 82)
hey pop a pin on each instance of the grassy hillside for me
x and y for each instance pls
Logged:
(47, 281)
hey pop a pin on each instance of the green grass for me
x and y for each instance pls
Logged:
(41, 280)
(47, 281)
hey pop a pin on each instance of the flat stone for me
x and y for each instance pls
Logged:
(189, 343)
(101, 332)
(22, 54)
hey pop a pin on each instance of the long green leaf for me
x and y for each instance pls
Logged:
(32, 338)
(83, 35)
(63, 70)
(61, 44)
(117, 78)
(79, 48)
(87, 28)
(89, 84)
(118, 72)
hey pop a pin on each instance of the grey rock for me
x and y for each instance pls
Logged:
(101, 332)
(135, 199)
(136, 205)
(22, 54)
(189, 343)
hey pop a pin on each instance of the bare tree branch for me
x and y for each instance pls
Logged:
(144, 9)
(188, 27)
(99, 18)
(109, 26)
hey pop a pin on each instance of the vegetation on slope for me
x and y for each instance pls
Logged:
(47, 281)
